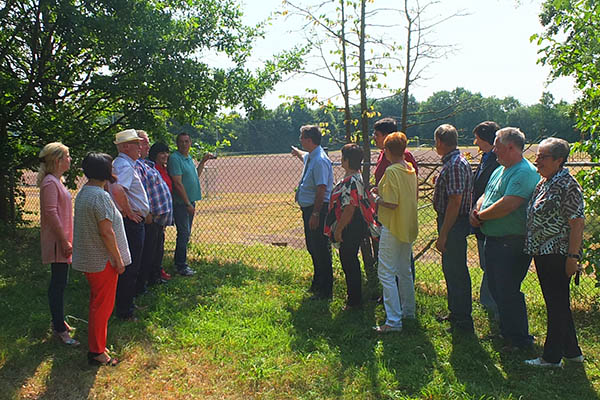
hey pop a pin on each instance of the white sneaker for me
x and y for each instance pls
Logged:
(578, 359)
(540, 362)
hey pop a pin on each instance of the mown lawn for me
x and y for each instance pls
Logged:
(243, 327)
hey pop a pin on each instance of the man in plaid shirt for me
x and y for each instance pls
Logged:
(452, 203)
(161, 214)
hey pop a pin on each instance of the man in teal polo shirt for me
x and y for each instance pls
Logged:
(501, 214)
(186, 191)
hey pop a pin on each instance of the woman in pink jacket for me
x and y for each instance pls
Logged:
(56, 230)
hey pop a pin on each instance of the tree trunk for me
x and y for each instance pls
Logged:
(364, 112)
(346, 94)
(6, 195)
(407, 70)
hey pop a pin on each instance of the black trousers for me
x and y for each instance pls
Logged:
(147, 273)
(56, 290)
(561, 338)
(126, 286)
(351, 238)
(319, 248)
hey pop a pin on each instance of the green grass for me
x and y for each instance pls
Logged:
(243, 327)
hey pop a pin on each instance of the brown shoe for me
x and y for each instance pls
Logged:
(385, 328)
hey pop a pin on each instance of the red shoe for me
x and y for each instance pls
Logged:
(164, 275)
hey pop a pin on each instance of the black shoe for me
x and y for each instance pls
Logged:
(187, 271)
(444, 318)
(129, 318)
(159, 281)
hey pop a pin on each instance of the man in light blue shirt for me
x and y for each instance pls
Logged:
(314, 191)
(130, 197)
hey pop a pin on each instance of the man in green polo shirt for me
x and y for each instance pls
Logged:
(186, 191)
(500, 212)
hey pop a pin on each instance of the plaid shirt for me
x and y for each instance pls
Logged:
(159, 196)
(456, 177)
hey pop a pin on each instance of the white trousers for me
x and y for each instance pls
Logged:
(394, 263)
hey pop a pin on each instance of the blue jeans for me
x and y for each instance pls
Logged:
(126, 286)
(485, 295)
(456, 273)
(506, 266)
(183, 222)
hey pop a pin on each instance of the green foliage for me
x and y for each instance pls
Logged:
(570, 45)
(275, 130)
(80, 71)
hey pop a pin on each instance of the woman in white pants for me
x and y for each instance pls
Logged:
(397, 200)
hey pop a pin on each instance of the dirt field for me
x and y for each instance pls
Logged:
(250, 199)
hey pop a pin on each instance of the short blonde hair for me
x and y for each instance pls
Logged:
(396, 143)
(50, 154)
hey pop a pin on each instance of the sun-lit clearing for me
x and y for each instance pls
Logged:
(36, 385)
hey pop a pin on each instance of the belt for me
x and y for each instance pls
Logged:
(505, 238)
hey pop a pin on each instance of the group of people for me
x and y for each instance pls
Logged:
(115, 234)
(517, 210)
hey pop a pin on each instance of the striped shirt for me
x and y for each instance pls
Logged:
(92, 206)
(456, 177)
(157, 190)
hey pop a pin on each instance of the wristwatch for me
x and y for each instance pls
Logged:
(575, 256)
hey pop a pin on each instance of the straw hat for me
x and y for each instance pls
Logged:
(128, 135)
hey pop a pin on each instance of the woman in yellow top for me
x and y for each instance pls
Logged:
(397, 200)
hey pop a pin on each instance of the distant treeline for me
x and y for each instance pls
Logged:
(273, 131)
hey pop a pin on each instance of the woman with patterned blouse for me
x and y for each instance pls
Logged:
(100, 250)
(350, 219)
(555, 222)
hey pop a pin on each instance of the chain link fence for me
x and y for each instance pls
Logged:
(248, 213)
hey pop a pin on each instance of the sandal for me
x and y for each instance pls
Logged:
(66, 338)
(92, 360)
(69, 327)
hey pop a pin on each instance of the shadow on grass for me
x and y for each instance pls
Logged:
(473, 366)
(33, 362)
(380, 363)
(569, 382)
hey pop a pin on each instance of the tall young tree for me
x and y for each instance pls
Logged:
(78, 71)
(420, 50)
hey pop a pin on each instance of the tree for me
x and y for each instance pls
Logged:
(79, 71)
(570, 45)
(419, 48)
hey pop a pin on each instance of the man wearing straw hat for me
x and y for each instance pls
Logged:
(130, 197)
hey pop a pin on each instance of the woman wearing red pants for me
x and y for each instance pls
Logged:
(99, 250)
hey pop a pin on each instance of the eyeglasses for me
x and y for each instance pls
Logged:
(542, 156)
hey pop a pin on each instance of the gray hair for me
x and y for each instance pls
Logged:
(512, 135)
(446, 134)
(558, 148)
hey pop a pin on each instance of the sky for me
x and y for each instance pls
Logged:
(493, 55)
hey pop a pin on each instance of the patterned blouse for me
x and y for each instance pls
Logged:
(553, 204)
(351, 190)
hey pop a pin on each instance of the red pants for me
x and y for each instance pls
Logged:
(103, 286)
